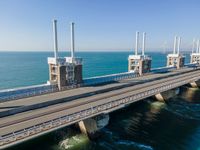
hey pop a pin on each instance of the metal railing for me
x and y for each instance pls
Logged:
(109, 78)
(17, 93)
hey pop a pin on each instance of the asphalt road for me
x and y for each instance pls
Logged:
(73, 94)
(26, 119)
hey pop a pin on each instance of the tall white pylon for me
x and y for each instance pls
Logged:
(136, 42)
(55, 39)
(179, 42)
(72, 40)
(175, 40)
(143, 43)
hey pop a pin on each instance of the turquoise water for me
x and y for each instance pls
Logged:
(146, 125)
(30, 68)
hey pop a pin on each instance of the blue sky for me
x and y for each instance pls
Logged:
(99, 24)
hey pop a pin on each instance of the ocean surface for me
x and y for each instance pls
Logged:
(146, 125)
(30, 68)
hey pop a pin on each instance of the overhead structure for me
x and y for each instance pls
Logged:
(195, 56)
(139, 63)
(64, 71)
(176, 59)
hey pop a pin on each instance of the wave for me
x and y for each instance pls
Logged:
(184, 109)
(134, 144)
(76, 141)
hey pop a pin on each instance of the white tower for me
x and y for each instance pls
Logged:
(195, 56)
(57, 68)
(139, 63)
(64, 71)
(74, 64)
(176, 59)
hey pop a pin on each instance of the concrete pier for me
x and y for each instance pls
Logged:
(195, 84)
(190, 94)
(164, 96)
(91, 126)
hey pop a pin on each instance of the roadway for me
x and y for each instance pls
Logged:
(36, 102)
(27, 125)
(27, 119)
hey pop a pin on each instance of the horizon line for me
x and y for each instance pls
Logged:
(166, 51)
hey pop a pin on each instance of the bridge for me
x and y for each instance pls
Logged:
(26, 113)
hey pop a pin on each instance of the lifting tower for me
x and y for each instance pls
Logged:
(64, 71)
(139, 63)
(195, 56)
(176, 59)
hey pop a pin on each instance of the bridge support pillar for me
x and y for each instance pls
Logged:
(190, 94)
(195, 84)
(91, 126)
(167, 95)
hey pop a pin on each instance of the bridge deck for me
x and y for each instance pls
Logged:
(88, 106)
(73, 94)
(26, 119)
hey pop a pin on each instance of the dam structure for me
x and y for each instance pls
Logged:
(67, 98)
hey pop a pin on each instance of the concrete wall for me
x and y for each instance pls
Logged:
(61, 76)
(176, 61)
(145, 66)
(78, 73)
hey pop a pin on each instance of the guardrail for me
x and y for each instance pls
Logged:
(109, 78)
(62, 121)
(121, 76)
(17, 93)
(163, 69)
(191, 65)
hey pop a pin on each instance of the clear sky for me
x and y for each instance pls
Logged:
(99, 24)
